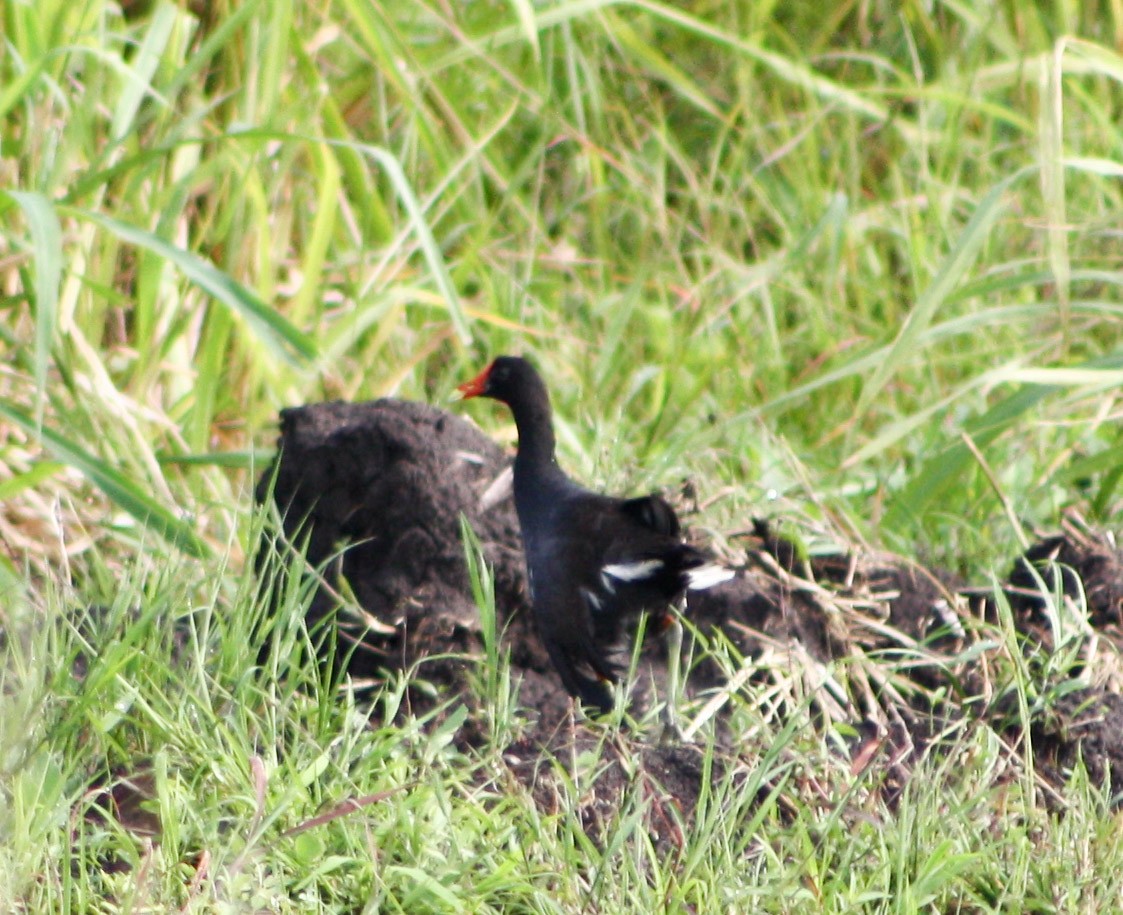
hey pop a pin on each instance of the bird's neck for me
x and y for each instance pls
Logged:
(534, 421)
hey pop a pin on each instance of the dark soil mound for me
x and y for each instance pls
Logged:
(381, 487)
(378, 490)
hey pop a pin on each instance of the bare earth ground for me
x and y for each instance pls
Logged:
(890, 648)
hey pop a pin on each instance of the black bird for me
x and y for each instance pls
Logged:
(593, 561)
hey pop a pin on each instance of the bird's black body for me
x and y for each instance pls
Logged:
(593, 561)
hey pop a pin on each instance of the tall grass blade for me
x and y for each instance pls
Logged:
(46, 244)
(429, 246)
(120, 490)
(943, 469)
(283, 339)
(1051, 155)
(959, 261)
(524, 9)
(143, 68)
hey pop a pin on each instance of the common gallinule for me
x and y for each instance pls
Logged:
(593, 561)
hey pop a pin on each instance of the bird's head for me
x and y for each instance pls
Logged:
(502, 380)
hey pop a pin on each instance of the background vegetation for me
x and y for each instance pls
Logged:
(856, 267)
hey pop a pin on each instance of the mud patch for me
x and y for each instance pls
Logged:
(378, 490)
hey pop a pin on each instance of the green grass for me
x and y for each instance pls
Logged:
(796, 257)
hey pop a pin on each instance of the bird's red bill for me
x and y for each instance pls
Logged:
(476, 386)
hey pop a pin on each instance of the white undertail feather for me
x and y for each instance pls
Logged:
(707, 576)
(633, 571)
(696, 579)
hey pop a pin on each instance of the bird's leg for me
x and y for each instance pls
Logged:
(572, 720)
(672, 639)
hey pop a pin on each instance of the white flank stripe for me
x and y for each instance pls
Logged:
(633, 571)
(591, 599)
(707, 576)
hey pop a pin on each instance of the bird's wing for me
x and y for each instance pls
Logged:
(653, 513)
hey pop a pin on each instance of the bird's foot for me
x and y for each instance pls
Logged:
(671, 732)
